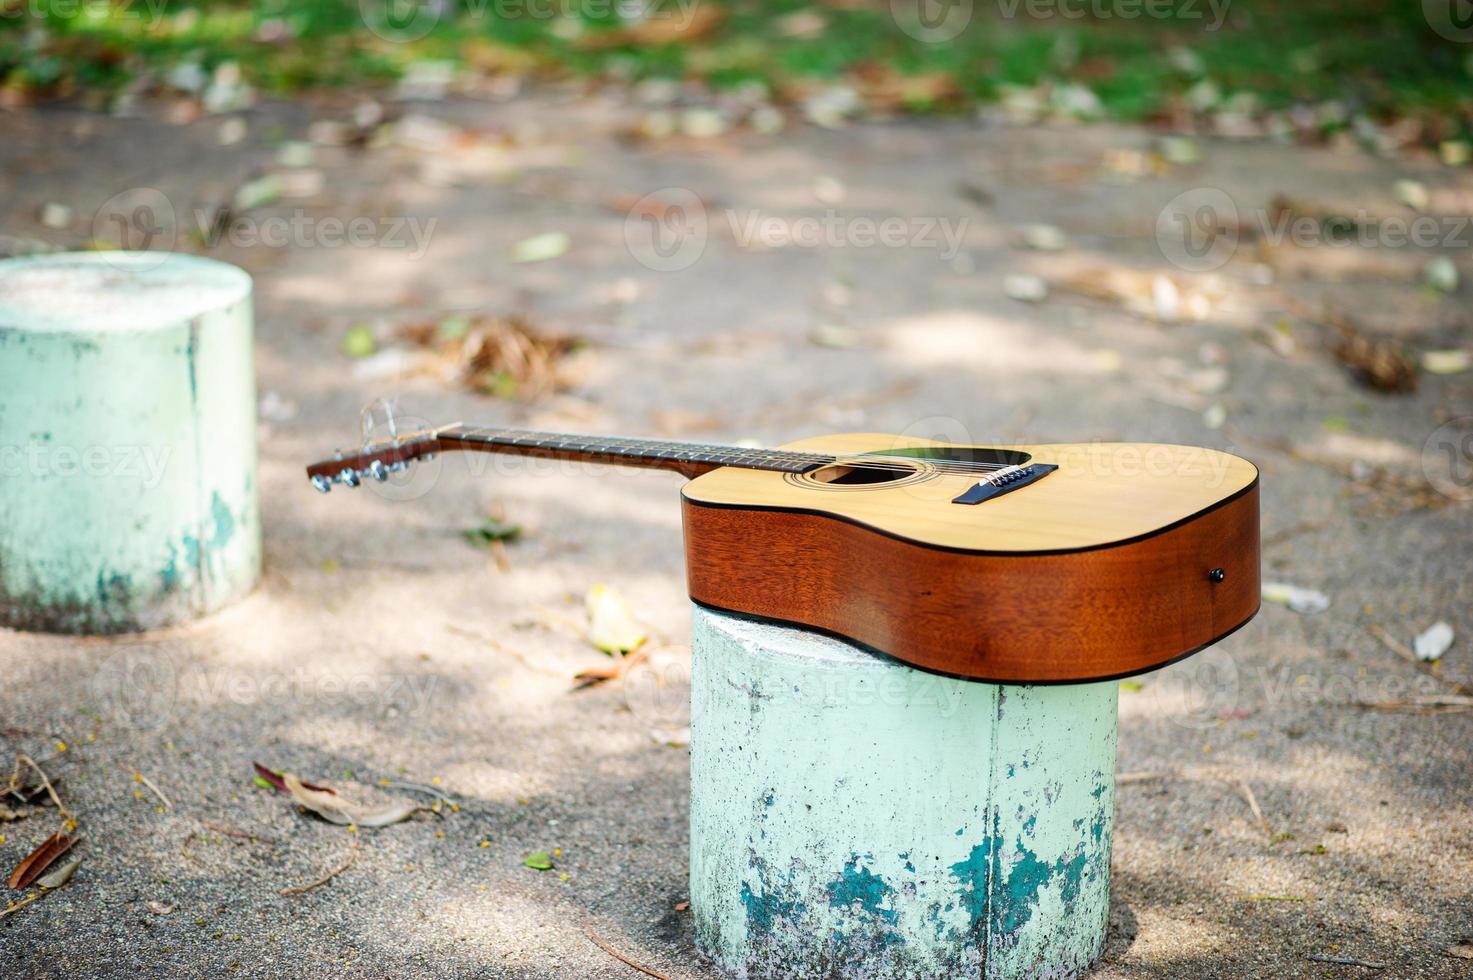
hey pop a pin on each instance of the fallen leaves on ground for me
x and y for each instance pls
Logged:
(660, 27)
(272, 778)
(40, 859)
(1382, 363)
(1301, 600)
(1433, 642)
(611, 626)
(491, 530)
(1150, 295)
(505, 357)
(539, 861)
(335, 809)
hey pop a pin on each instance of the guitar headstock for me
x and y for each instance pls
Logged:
(380, 455)
(372, 462)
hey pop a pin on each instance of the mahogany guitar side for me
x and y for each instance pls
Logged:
(1145, 570)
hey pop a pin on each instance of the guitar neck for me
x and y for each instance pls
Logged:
(690, 459)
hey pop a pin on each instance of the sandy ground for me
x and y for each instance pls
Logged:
(380, 645)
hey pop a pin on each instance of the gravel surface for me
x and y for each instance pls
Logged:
(381, 646)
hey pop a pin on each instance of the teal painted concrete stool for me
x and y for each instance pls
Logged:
(127, 441)
(855, 817)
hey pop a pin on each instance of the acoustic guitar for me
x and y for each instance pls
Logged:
(1017, 564)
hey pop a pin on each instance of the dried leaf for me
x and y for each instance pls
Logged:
(611, 626)
(1442, 274)
(274, 779)
(661, 27)
(335, 809)
(1301, 600)
(1462, 951)
(1382, 363)
(1446, 361)
(359, 341)
(493, 530)
(1433, 642)
(539, 861)
(60, 876)
(1025, 288)
(40, 859)
(159, 908)
(541, 248)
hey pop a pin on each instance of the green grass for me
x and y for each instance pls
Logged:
(1379, 58)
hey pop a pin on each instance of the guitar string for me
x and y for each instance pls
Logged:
(693, 451)
(731, 455)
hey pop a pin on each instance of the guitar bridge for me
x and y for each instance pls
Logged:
(1005, 481)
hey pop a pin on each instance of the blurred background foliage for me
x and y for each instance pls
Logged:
(1090, 58)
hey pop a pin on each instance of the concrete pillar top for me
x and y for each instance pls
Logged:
(95, 292)
(805, 645)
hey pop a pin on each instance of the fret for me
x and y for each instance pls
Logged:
(687, 457)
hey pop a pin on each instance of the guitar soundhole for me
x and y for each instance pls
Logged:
(860, 476)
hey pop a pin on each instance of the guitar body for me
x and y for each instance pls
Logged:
(1124, 558)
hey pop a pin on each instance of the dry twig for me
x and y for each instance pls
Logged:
(51, 792)
(588, 928)
(1253, 805)
(141, 778)
(329, 876)
(230, 831)
(1430, 669)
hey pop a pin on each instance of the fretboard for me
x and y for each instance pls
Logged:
(685, 457)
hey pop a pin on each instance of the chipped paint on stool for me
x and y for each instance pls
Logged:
(127, 441)
(854, 817)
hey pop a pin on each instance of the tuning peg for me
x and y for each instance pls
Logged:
(348, 477)
(322, 484)
(378, 470)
